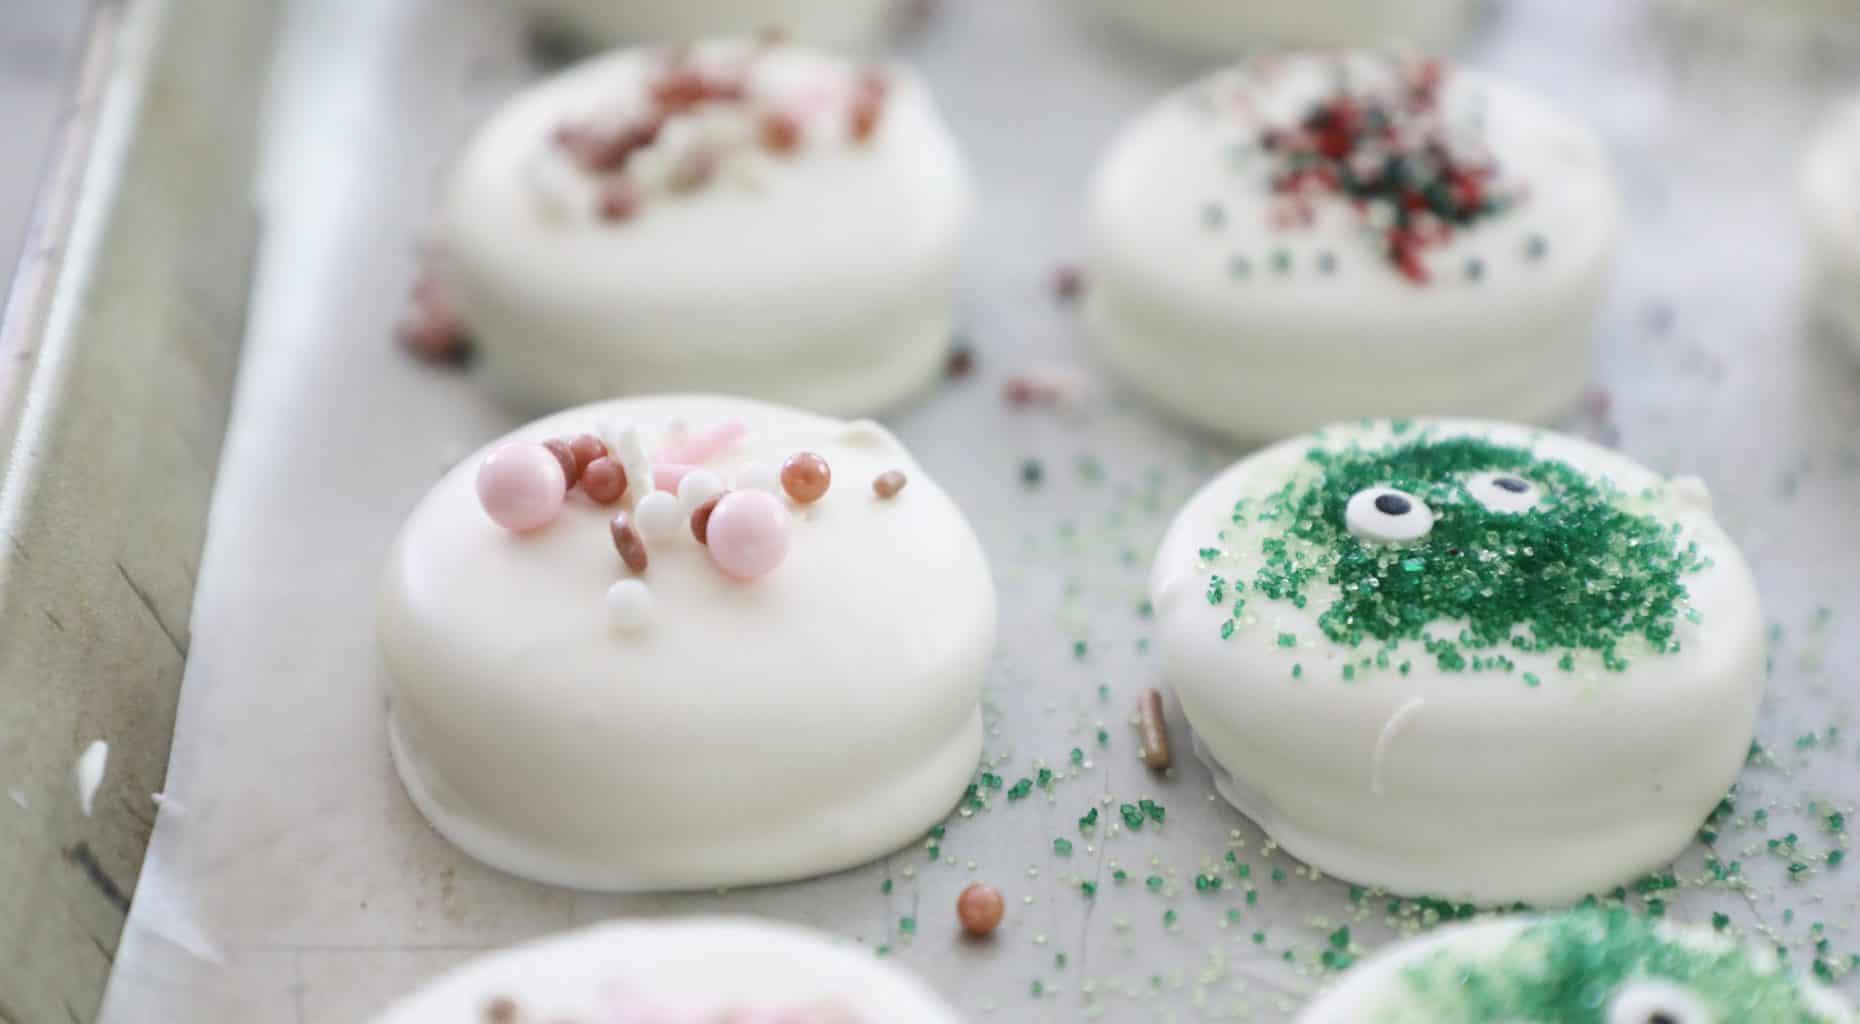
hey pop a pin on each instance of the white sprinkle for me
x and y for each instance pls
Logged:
(656, 516)
(89, 773)
(698, 487)
(629, 605)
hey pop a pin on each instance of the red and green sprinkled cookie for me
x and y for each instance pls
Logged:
(1310, 237)
(1585, 967)
(1462, 659)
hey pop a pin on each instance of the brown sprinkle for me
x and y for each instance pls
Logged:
(1068, 282)
(619, 200)
(627, 541)
(961, 362)
(586, 448)
(806, 477)
(571, 469)
(502, 1010)
(979, 908)
(781, 132)
(888, 484)
(604, 480)
(700, 519)
(1154, 729)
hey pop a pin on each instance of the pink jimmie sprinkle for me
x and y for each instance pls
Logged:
(701, 448)
(667, 476)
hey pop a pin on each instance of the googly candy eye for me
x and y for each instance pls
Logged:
(1504, 492)
(1656, 1002)
(1387, 515)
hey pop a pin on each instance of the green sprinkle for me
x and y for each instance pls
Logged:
(1169, 917)
(1032, 472)
(1020, 789)
(907, 925)
(1078, 756)
(1287, 640)
(1155, 883)
(1062, 846)
(1090, 889)
(1089, 821)
(1133, 818)
(885, 886)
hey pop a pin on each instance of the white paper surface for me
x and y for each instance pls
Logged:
(300, 885)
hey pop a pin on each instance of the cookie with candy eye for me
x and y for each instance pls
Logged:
(703, 671)
(1584, 967)
(1460, 658)
(1310, 237)
(695, 970)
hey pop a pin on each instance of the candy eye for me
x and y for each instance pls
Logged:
(1504, 492)
(1656, 1002)
(1388, 515)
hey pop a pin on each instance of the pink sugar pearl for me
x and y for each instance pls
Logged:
(522, 486)
(748, 533)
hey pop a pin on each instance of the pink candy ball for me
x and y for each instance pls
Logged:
(522, 486)
(748, 533)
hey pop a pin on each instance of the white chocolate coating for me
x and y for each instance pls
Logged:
(834, 23)
(821, 278)
(790, 726)
(1831, 217)
(1376, 992)
(1468, 785)
(690, 969)
(1267, 353)
(1228, 27)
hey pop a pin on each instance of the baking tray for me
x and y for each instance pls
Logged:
(117, 351)
(288, 878)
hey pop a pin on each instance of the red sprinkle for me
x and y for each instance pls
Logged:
(627, 541)
(980, 908)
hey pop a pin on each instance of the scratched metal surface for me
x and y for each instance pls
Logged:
(117, 353)
(293, 881)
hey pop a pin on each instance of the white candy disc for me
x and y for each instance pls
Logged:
(1388, 515)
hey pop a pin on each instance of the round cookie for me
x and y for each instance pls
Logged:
(738, 216)
(835, 23)
(1462, 659)
(1831, 214)
(683, 971)
(1227, 28)
(1585, 967)
(1314, 237)
(594, 698)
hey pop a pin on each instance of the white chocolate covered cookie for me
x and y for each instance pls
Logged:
(1831, 214)
(1314, 237)
(1585, 967)
(583, 692)
(740, 216)
(1462, 659)
(1229, 27)
(688, 971)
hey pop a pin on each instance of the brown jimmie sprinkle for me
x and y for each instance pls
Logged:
(888, 484)
(979, 908)
(627, 541)
(806, 477)
(700, 518)
(1154, 729)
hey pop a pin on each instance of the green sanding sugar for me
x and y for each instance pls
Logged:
(1579, 571)
(1568, 969)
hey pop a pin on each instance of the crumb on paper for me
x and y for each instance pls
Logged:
(89, 773)
(18, 795)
